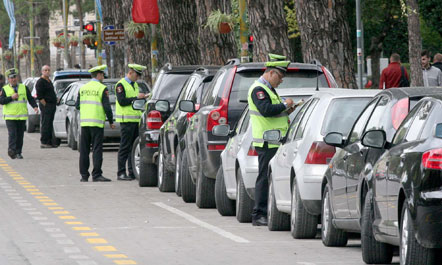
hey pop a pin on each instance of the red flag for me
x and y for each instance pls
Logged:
(145, 11)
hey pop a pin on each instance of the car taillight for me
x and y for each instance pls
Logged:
(214, 147)
(252, 151)
(151, 144)
(153, 120)
(399, 112)
(320, 153)
(432, 159)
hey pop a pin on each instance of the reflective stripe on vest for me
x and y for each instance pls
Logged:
(91, 107)
(260, 124)
(127, 113)
(16, 109)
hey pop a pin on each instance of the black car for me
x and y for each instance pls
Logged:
(145, 150)
(223, 103)
(171, 142)
(404, 206)
(348, 177)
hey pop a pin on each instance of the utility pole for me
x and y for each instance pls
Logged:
(360, 43)
(99, 46)
(65, 33)
(31, 35)
(243, 31)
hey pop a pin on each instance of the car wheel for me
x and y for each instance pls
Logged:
(331, 236)
(177, 171)
(302, 224)
(144, 172)
(244, 204)
(224, 205)
(165, 178)
(277, 221)
(373, 252)
(188, 188)
(410, 251)
(71, 139)
(205, 191)
(30, 127)
(68, 134)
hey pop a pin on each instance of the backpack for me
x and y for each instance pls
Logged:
(403, 82)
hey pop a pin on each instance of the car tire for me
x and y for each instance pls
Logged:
(188, 188)
(373, 252)
(331, 236)
(205, 191)
(71, 139)
(177, 177)
(30, 127)
(244, 204)
(277, 221)
(144, 172)
(224, 205)
(410, 251)
(166, 182)
(302, 223)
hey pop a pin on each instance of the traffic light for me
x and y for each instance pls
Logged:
(89, 27)
(90, 30)
(250, 47)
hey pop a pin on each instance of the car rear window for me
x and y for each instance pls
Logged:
(169, 86)
(60, 86)
(342, 113)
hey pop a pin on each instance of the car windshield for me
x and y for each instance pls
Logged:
(168, 88)
(111, 88)
(298, 79)
(60, 86)
(341, 115)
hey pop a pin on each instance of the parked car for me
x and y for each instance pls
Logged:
(297, 169)
(347, 179)
(33, 122)
(71, 74)
(404, 205)
(171, 141)
(223, 103)
(236, 177)
(145, 149)
(60, 85)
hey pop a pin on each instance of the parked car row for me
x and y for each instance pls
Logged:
(353, 161)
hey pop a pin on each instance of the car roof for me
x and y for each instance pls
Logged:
(343, 92)
(261, 66)
(179, 69)
(412, 91)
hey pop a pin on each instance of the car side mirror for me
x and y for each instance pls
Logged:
(162, 105)
(272, 136)
(374, 138)
(70, 103)
(138, 104)
(187, 106)
(221, 130)
(334, 139)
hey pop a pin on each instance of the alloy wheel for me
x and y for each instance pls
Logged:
(177, 170)
(404, 238)
(294, 203)
(325, 215)
(137, 159)
(270, 200)
(160, 168)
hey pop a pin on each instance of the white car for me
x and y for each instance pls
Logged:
(297, 169)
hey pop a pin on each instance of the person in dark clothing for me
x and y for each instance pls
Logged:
(14, 96)
(391, 75)
(47, 103)
(267, 111)
(93, 104)
(437, 61)
(127, 91)
(2, 80)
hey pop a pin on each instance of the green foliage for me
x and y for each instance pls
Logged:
(89, 37)
(38, 48)
(87, 6)
(25, 47)
(216, 17)
(292, 22)
(431, 39)
(431, 12)
(132, 27)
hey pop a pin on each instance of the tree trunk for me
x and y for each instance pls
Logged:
(179, 31)
(268, 26)
(80, 42)
(325, 36)
(375, 53)
(414, 44)
(216, 48)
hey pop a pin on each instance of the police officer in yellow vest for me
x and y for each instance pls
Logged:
(127, 91)
(267, 112)
(94, 106)
(14, 97)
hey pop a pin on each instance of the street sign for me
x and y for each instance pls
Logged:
(110, 35)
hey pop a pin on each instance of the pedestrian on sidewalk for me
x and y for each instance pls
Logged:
(127, 91)
(48, 104)
(94, 106)
(437, 61)
(267, 111)
(15, 96)
(432, 75)
(394, 75)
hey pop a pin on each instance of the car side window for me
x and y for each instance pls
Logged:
(376, 121)
(212, 92)
(358, 128)
(403, 128)
(245, 123)
(305, 119)
(64, 97)
(419, 121)
(294, 124)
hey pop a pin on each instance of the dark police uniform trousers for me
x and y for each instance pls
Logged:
(129, 132)
(47, 119)
(16, 132)
(91, 136)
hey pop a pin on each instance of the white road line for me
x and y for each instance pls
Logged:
(47, 223)
(203, 224)
(86, 262)
(78, 257)
(52, 230)
(58, 235)
(71, 250)
(65, 241)
(39, 218)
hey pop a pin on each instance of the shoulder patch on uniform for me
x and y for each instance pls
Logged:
(260, 95)
(119, 89)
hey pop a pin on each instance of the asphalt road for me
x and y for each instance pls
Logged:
(48, 217)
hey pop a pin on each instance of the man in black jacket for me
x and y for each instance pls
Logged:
(47, 102)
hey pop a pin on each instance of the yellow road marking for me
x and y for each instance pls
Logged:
(127, 261)
(18, 178)
(41, 197)
(81, 228)
(32, 189)
(73, 223)
(37, 193)
(46, 200)
(105, 248)
(55, 208)
(96, 240)
(89, 234)
(29, 186)
(61, 212)
(115, 256)
(23, 182)
(50, 203)
(65, 217)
